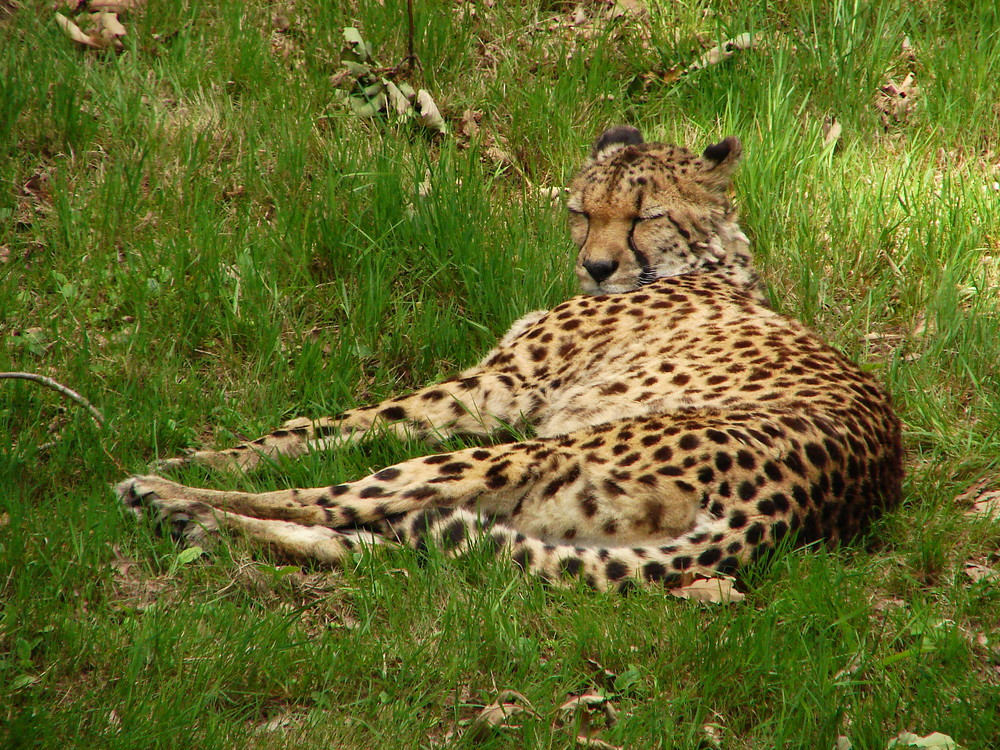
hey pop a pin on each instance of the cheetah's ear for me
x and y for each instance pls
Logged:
(614, 139)
(718, 162)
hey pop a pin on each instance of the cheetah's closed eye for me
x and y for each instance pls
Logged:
(682, 426)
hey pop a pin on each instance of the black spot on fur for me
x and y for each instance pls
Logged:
(454, 534)
(728, 566)
(570, 566)
(689, 442)
(709, 557)
(754, 534)
(393, 413)
(816, 455)
(616, 570)
(522, 558)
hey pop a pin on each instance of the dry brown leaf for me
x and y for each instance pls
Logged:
(711, 735)
(831, 131)
(584, 741)
(852, 666)
(934, 740)
(592, 701)
(581, 710)
(712, 590)
(897, 100)
(906, 48)
(971, 493)
(74, 32)
(496, 715)
(109, 28)
(468, 124)
(397, 99)
(4, 520)
(428, 114)
(499, 156)
(115, 6)
(122, 565)
(633, 8)
(978, 572)
(604, 675)
(278, 723)
(985, 503)
(722, 51)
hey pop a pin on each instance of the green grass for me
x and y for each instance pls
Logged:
(199, 239)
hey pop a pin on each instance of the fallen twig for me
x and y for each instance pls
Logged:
(56, 386)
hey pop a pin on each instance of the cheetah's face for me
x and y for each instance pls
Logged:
(639, 211)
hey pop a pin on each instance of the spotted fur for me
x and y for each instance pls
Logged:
(681, 425)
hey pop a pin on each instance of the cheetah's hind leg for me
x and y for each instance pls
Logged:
(192, 522)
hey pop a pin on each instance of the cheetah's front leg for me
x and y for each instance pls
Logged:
(478, 403)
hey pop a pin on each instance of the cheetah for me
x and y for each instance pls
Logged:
(681, 426)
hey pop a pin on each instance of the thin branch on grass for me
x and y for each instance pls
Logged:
(411, 56)
(56, 386)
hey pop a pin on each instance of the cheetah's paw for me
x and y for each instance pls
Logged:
(188, 522)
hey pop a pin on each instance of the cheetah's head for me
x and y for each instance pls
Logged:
(640, 211)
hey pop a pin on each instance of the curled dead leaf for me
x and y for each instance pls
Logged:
(355, 47)
(499, 156)
(121, 564)
(74, 32)
(711, 735)
(496, 716)
(978, 572)
(712, 590)
(906, 48)
(104, 32)
(115, 6)
(722, 51)
(592, 701)
(468, 124)
(626, 8)
(852, 667)
(398, 102)
(897, 100)
(831, 132)
(110, 30)
(582, 710)
(935, 740)
(605, 676)
(584, 741)
(985, 502)
(427, 112)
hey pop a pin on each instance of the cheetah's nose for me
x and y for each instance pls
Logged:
(600, 269)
